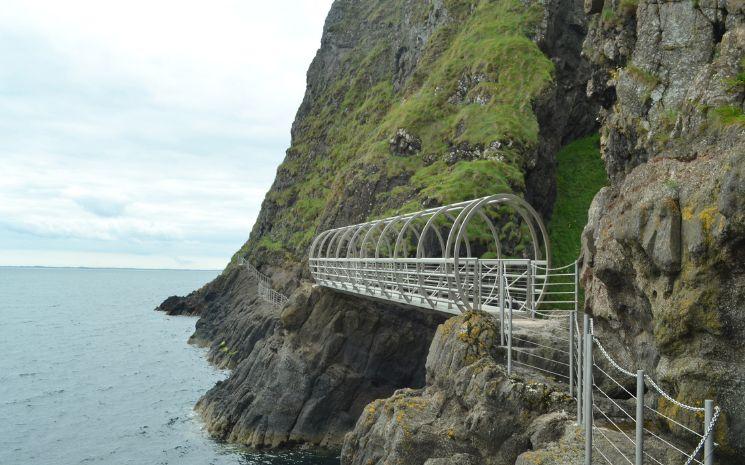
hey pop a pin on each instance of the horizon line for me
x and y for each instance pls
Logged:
(109, 268)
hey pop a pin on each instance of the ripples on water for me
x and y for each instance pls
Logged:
(89, 373)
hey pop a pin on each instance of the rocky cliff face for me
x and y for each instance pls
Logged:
(470, 412)
(413, 103)
(416, 103)
(409, 104)
(665, 246)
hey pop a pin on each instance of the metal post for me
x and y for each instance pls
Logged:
(500, 275)
(529, 289)
(580, 348)
(509, 341)
(478, 288)
(588, 399)
(576, 287)
(709, 443)
(639, 418)
(571, 353)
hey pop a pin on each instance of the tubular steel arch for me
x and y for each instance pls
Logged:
(426, 258)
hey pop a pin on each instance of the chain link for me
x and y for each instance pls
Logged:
(646, 376)
(709, 430)
(670, 399)
(612, 362)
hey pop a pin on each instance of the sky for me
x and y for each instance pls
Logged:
(144, 133)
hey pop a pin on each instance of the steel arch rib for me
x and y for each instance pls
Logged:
(350, 257)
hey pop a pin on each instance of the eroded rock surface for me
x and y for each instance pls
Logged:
(664, 250)
(323, 359)
(469, 412)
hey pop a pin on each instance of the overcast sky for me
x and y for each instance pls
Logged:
(144, 133)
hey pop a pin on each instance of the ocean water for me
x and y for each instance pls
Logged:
(90, 374)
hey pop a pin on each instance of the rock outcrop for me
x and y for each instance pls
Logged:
(303, 374)
(470, 411)
(664, 250)
(408, 103)
(412, 104)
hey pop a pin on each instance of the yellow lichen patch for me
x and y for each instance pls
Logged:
(708, 217)
(687, 213)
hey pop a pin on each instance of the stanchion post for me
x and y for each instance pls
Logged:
(509, 340)
(580, 367)
(572, 316)
(709, 443)
(639, 457)
(588, 399)
(529, 289)
(500, 274)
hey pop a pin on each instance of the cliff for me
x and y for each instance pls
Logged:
(412, 104)
(664, 249)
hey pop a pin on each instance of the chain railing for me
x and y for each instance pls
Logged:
(265, 291)
(594, 380)
(425, 259)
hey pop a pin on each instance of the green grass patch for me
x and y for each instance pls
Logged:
(643, 76)
(474, 85)
(729, 115)
(580, 174)
(467, 180)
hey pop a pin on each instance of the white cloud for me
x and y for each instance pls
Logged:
(144, 128)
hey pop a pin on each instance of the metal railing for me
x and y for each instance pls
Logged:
(601, 424)
(265, 291)
(537, 308)
(437, 283)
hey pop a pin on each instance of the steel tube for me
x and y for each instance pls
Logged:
(571, 354)
(501, 300)
(639, 457)
(709, 443)
(588, 399)
(509, 342)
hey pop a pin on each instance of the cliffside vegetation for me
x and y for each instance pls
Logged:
(580, 174)
(400, 129)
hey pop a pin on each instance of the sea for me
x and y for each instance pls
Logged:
(91, 374)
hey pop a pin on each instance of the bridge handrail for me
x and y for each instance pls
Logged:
(265, 291)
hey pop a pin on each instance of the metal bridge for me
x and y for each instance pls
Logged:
(493, 254)
(449, 259)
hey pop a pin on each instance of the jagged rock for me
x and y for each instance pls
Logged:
(323, 358)
(404, 144)
(470, 409)
(663, 249)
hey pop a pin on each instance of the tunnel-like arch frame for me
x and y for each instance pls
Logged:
(425, 258)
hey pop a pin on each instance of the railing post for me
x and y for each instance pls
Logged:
(588, 398)
(639, 418)
(576, 287)
(572, 316)
(580, 367)
(509, 341)
(500, 275)
(529, 289)
(709, 443)
(478, 284)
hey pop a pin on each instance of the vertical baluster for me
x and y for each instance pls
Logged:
(509, 340)
(639, 458)
(709, 443)
(571, 353)
(500, 275)
(529, 290)
(588, 399)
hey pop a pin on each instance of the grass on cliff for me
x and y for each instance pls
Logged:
(473, 86)
(580, 174)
